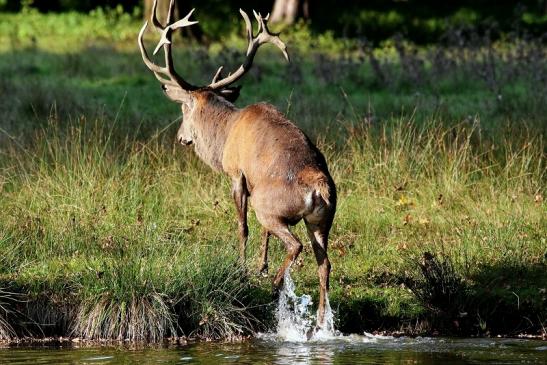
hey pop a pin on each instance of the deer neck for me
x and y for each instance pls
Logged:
(213, 119)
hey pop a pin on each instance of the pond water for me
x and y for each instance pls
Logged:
(366, 349)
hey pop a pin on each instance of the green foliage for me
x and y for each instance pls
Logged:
(219, 302)
(108, 255)
(422, 21)
(71, 29)
(440, 287)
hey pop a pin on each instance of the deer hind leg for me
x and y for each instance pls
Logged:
(319, 235)
(240, 195)
(280, 229)
(263, 264)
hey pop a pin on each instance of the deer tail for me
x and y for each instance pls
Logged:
(321, 185)
(322, 189)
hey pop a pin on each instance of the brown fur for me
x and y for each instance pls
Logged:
(215, 116)
(266, 147)
(316, 179)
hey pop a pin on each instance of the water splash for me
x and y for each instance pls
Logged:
(327, 331)
(295, 320)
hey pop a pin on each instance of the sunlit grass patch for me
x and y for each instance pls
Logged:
(141, 318)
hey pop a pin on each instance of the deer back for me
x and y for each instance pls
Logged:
(267, 148)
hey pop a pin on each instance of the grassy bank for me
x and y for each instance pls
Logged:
(109, 230)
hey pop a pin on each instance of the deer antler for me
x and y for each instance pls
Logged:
(165, 41)
(263, 36)
(167, 74)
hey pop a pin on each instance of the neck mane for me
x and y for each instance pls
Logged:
(213, 118)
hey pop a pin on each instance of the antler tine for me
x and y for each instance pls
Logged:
(259, 20)
(218, 74)
(170, 13)
(184, 22)
(168, 30)
(168, 70)
(154, 17)
(157, 70)
(264, 36)
(249, 28)
(152, 66)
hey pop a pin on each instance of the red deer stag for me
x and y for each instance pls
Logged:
(271, 161)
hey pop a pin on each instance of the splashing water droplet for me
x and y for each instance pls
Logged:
(295, 322)
(327, 331)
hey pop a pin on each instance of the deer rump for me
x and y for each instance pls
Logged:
(278, 162)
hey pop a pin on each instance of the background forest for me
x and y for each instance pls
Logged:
(418, 20)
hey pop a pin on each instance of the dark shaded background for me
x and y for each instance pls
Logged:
(421, 21)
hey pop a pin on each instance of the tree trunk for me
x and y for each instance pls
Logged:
(291, 11)
(278, 11)
(287, 11)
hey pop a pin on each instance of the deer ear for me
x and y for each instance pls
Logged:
(230, 93)
(176, 93)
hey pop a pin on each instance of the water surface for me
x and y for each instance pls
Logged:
(343, 350)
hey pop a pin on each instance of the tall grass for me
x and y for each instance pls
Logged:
(136, 237)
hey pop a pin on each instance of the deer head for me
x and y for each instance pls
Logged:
(179, 90)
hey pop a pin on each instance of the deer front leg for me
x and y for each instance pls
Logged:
(263, 265)
(240, 194)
